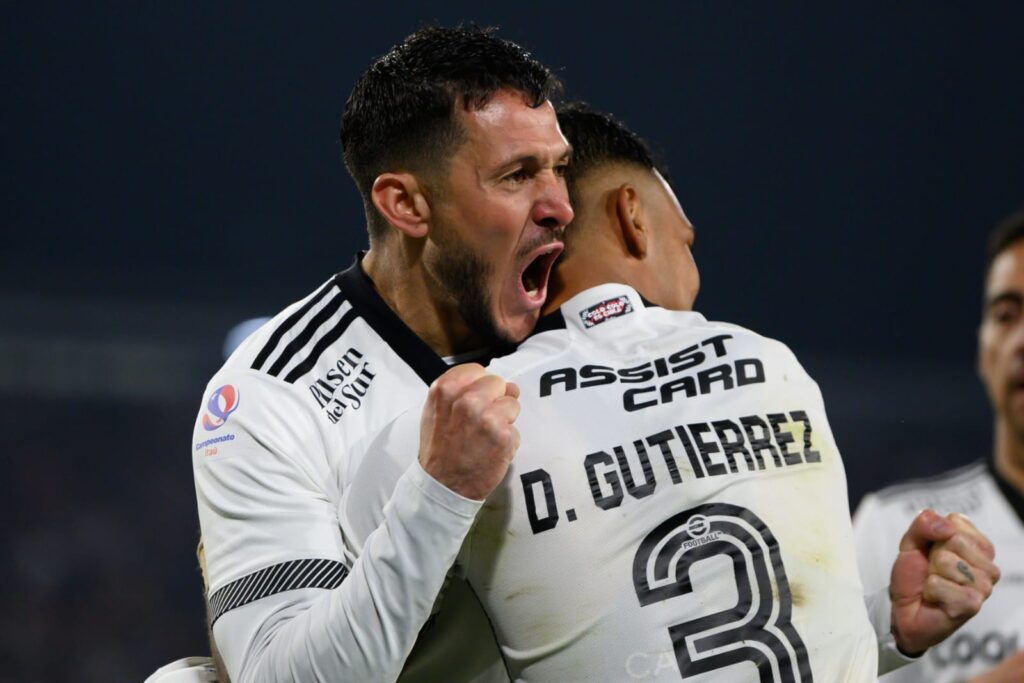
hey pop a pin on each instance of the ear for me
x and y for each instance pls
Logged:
(401, 200)
(632, 223)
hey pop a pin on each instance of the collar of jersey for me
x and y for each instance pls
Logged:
(1012, 495)
(589, 298)
(368, 304)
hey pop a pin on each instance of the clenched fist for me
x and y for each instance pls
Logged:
(941, 577)
(467, 435)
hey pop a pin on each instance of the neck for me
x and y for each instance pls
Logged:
(579, 272)
(396, 270)
(1009, 455)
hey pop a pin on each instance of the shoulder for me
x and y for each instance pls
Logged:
(957, 489)
(543, 346)
(187, 670)
(283, 346)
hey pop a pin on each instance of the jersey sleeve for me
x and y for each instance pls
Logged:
(876, 552)
(288, 599)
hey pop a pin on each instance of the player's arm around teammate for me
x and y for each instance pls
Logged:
(364, 626)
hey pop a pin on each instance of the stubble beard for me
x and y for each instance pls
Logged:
(464, 276)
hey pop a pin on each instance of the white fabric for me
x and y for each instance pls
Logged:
(565, 600)
(273, 460)
(187, 670)
(998, 629)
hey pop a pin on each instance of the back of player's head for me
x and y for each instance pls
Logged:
(1007, 232)
(401, 114)
(599, 139)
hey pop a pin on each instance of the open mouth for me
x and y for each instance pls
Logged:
(534, 278)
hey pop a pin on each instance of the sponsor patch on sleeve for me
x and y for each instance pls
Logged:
(606, 310)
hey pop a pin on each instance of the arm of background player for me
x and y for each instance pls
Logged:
(873, 537)
(288, 601)
(939, 579)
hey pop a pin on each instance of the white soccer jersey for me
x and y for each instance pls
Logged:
(282, 430)
(997, 510)
(677, 509)
(187, 670)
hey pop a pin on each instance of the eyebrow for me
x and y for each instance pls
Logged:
(534, 160)
(1005, 297)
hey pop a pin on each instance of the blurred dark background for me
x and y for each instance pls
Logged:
(173, 168)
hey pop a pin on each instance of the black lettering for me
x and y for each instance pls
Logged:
(335, 377)
(809, 455)
(687, 358)
(730, 447)
(348, 357)
(636, 374)
(549, 379)
(661, 440)
(992, 648)
(963, 648)
(348, 392)
(670, 388)
(611, 477)
(360, 386)
(691, 453)
(336, 410)
(596, 375)
(321, 396)
(629, 399)
(760, 443)
(783, 439)
(661, 367)
(717, 343)
(645, 489)
(706, 448)
(719, 373)
(749, 371)
(537, 523)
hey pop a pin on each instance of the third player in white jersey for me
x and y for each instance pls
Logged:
(979, 492)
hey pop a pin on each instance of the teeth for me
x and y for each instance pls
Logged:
(532, 292)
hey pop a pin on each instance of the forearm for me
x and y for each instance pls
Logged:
(364, 629)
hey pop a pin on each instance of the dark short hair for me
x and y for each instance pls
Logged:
(401, 113)
(1008, 231)
(598, 139)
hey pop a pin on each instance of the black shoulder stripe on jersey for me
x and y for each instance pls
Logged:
(955, 477)
(358, 288)
(301, 339)
(322, 344)
(1012, 495)
(282, 577)
(289, 323)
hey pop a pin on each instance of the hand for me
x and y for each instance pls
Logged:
(467, 435)
(1010, 670)
(941, 577)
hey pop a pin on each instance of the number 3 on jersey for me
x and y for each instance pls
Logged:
(758, 627)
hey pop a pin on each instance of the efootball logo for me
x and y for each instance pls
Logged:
(222, 403)
(612, 308)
